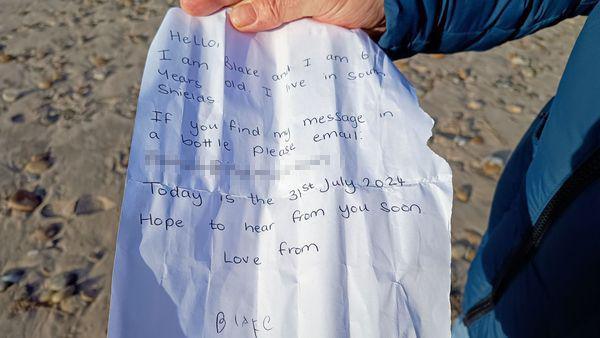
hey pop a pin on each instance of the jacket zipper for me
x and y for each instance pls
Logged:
(581, 177)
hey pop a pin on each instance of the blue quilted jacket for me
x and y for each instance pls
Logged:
(537, 271)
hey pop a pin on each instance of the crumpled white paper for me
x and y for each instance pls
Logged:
(279, 185)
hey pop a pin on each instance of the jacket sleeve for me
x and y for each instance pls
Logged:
(447, 26)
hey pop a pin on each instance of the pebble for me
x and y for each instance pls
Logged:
(59, 295)
(46, 233)
(474, 105)
(5, 58)
(463, 251)
(51, 230)
(98, 61)
(38, 164)
(528, 72)
(49, 118)
(458, 251)
(45, 296)
(89, 204)
(70, 305)
(23, 200)
(514, 109)
(460, 140)
(517, 60)
(98, 75)
(464, 74)
(438, 56)
(492, 166)
(88, 295)
(472, 237)
(37, 167)
(17, 118)
(48, 211)
(463, 193)
(10, 95)
(57, 76)
(10, 277)
(97, 254)
(476, 140)
(470, 254)
(46, 157)
(44, 84)
(62, 281)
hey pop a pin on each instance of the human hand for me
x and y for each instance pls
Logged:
(260, 15)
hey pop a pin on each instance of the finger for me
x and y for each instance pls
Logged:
(204, 7)
(261, 15)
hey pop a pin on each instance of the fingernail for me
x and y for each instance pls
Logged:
(243, 14)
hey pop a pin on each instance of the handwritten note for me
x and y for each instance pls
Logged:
(279, 185)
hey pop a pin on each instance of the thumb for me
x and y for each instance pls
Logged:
(260, 15)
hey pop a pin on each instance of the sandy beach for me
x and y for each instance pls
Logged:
(69, 79)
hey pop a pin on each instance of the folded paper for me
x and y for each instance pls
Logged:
(279, 185)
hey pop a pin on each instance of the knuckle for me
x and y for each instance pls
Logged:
(270, 12)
